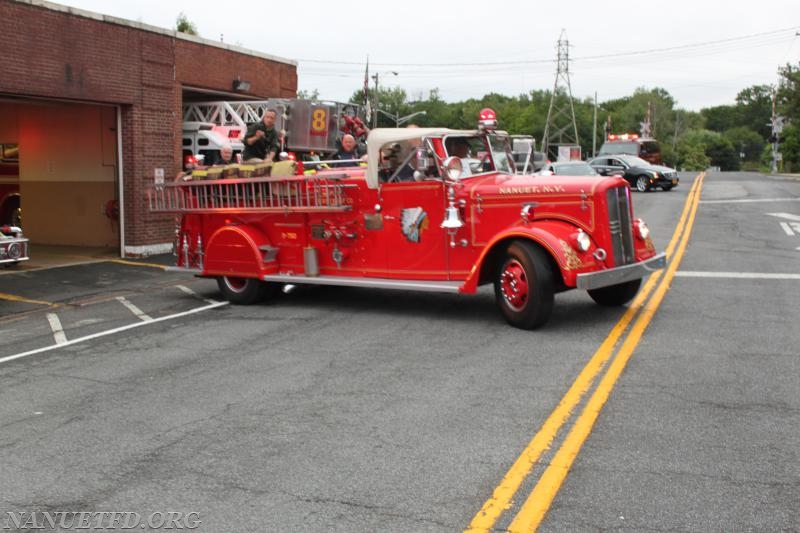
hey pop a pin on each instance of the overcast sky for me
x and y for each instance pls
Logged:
(703, 52)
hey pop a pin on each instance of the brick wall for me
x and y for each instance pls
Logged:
(63, 53)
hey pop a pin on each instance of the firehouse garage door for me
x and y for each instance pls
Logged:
(66, 159)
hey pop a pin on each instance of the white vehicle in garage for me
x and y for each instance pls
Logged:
(13, 245)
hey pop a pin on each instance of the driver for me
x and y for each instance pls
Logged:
(459, 147)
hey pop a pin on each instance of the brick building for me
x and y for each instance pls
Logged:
(90, 107)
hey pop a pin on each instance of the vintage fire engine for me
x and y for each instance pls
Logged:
(433, 210)
(13, 245)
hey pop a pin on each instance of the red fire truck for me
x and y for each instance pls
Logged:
(433, 210)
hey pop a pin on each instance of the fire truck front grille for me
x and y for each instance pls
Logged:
(620, 226)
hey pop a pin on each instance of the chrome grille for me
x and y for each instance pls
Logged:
(620, 226)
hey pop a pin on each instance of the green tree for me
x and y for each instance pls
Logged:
(692, 156)
(790, 148)
(719, 150)
(755, 108)
(305, 95)
(788, 106)
(788, 93)
(184, 25)
(746, 141)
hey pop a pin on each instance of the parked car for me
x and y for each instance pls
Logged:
(640, 174)
(568, 168)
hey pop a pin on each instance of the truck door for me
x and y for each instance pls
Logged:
(416, 247)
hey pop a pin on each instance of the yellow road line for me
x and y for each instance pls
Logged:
(135, 263)
(502, 496)
(15, 298)
(538, 502)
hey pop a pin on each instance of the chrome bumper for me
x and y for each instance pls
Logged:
(615, 276)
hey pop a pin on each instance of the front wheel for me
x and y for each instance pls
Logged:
(523, 286)
(642, 184)
(245, 291)
(666, 187)
(616, 295)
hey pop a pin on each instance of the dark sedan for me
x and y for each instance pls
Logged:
(641, 175)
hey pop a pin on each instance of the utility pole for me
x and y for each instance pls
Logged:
(375, 77)
(558, 116)
(594, 127)
(777, 128)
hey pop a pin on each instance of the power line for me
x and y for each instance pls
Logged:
(654, 51)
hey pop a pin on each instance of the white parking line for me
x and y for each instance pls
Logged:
(750, 200)
(190, 292)
(110, 332)
(737, 275)
(135, 310)
(58, 331)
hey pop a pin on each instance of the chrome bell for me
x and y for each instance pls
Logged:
(452, 220)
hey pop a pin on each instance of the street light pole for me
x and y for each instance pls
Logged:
(376, 77)
(400, 120)
(406, 118)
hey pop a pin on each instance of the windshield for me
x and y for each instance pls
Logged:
(624, 147)
(634, 161)
(502, 154)
(574, 169)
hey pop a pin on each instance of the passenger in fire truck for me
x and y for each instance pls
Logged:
(261, 140)
(348, 153)
(190, 163)
(225, 155)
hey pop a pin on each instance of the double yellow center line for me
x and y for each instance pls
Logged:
(536, 505)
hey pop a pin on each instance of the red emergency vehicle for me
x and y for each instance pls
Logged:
(433, 210)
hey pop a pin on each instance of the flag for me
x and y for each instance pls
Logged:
(367, 109)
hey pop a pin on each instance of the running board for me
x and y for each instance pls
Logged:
(379, 283)
(195, 271)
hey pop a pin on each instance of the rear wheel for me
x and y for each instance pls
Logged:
(616, 295)
(642, 183)
(245, 291)
(523, 286)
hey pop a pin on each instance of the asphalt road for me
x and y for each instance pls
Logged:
(340, 409)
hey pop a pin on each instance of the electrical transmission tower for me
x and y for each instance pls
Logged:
(561, 128)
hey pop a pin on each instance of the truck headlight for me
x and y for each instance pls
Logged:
(642, 229)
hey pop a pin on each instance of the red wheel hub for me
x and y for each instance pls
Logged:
(514, 285)
(235, 284)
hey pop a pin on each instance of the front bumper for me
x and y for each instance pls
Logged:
(617, 275)
(13, 249)
(664, 181)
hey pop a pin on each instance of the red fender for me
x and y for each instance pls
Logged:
(553, 236)
(240, 251)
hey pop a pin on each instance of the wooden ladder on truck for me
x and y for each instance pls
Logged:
(304, 194)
